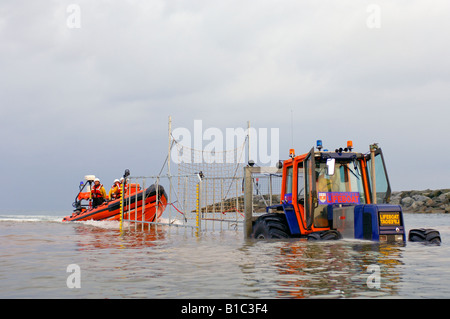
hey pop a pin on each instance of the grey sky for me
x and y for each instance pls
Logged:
(96, 99)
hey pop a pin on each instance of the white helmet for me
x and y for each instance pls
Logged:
(116, 181)
(97, 180)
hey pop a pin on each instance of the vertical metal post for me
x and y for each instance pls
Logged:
(248, 202)
(135, 204)
(205, 194)
(222, 208)
(157, 199)
(121, 207)
(270, 190)
(237, 197)
(143, 203)
(198, 207)
(373, 147)
(168, 168)
(248, 141)
(185, 198)
(214, 200)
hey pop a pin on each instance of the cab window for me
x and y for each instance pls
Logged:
(383, 188)
(288, 186)
(346, 178)
(300, 185)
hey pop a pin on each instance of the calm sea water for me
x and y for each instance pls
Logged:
(35, 252)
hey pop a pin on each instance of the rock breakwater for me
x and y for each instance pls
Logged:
(424, 201)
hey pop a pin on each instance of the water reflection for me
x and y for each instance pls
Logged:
(331, 269)
(258, 269)
(175, 263)
(93, 237)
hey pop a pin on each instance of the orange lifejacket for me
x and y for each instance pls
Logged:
(96, 191)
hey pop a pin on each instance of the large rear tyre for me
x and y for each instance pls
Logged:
(426, 235)
(270, 226)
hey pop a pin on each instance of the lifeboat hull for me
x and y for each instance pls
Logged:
(134, 207)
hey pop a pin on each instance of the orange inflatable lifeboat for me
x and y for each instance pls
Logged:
(140, 205)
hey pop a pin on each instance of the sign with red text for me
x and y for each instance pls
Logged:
(328, 198)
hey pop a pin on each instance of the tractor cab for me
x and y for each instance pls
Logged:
(322, 179)
(334, 194)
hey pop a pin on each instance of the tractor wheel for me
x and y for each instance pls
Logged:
(272, 225)
(431, 236)
(325, 235)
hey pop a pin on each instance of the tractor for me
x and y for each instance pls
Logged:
(328, 195)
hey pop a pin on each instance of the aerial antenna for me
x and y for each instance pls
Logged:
(292, 127)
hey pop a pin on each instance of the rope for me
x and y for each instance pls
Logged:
(176, 208)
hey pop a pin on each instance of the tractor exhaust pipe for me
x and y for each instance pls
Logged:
(373, 148)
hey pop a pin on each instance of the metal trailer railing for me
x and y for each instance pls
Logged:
(250, 174)
(207, 204)
(167, 182)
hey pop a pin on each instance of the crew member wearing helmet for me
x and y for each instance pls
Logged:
(114, 192)
(98, 193)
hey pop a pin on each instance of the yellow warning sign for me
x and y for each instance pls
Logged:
(389, 219)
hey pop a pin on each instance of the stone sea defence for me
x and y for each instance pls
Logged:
(424, 201)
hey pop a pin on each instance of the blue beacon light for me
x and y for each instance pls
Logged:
(319, 144)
